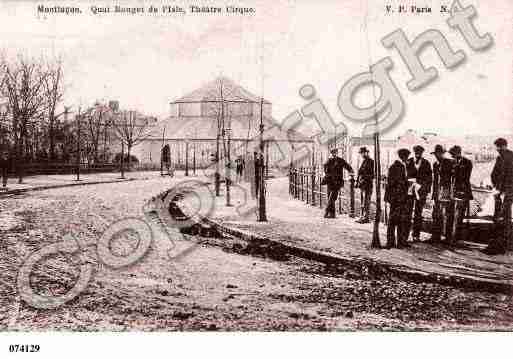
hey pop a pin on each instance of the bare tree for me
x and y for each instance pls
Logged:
(23, 87)
(131, 128)
(53, 89)
(96, 120)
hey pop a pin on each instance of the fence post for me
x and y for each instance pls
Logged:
(307, 187)
(351, 195)
(302, 184)
(313, 185)
(320, 192)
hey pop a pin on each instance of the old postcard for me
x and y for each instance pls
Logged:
(255, 166)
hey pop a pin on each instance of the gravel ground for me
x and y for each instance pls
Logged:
(220, 285)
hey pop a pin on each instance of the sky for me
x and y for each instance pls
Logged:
(146, 61)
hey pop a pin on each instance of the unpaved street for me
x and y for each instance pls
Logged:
(219, 285)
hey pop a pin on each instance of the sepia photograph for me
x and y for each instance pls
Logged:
(337, 166)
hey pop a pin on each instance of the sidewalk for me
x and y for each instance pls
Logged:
(41, 182)
(294, 223)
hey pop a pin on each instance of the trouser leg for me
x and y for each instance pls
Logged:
(449, 220)
(332, 198)
(405, 222)
(436, 228)
(406, 217)
(366, 203)
(4, 177)
(394, 220)
(417, 217)
(508, 230)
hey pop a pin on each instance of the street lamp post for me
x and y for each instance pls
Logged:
(262, 216)
(78, 144)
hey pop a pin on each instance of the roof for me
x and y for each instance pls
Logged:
(212, 92)
(206, 128)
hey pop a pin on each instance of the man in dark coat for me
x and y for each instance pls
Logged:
(396, 194)
(420, 177)
(502, 181)
(334, 177)
(4, 167)
(462, 189)
(442, 180)
(364, 182)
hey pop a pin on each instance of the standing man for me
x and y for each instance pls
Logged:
(4, 167)
(420, 176)
(462, 170)
(396, 194)
(364, 182)
(334, 177)
(502, 181)
(442, 177)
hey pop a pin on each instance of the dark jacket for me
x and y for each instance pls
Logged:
(334, 171)
(442, 175)
(365, 174)
(502, 174)
(423, 175)
(396, 190)
(462, 171)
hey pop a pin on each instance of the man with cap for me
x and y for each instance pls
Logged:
(420, 177)
(334, 177)
(396, 194)
(502, 181)
(442, 177)
(364, 182)
(462, 189)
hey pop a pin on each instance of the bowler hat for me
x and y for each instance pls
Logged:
(363, 150)
(438, 149)
(455, 150)
(418, 149)
(501, 142)
(403, 152)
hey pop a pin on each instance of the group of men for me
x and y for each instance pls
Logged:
(411, 180)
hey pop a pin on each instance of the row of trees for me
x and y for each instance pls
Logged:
(36, 127)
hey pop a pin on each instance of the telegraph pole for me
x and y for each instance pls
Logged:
(78, 145)
(377, 161)
(262, 216)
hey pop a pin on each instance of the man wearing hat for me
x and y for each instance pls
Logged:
(420, 177)
(462, 189)
(364, 182)
(334, 177)
(502, 181)
(442, 177)
(396, 194)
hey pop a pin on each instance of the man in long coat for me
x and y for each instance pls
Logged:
(462, 189)
(420, 174)
(442, 179)
(502, 181)
(4, 167)
(334, 177)
(364, 182)
(396, 194)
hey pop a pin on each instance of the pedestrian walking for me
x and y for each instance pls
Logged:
(502, 181)
(442, 179)
(462, 189)
(334, 179)
(420, 176)
(239, 167)
(364, 182)
(396, 195)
